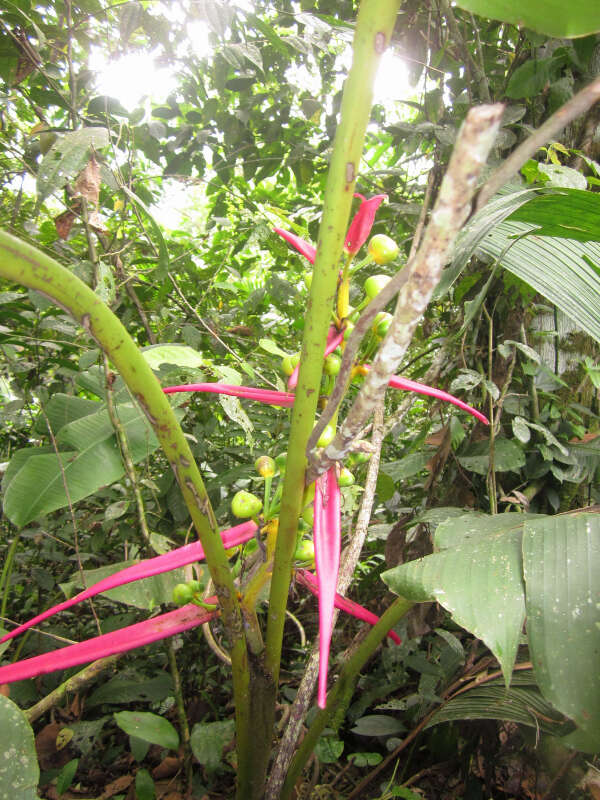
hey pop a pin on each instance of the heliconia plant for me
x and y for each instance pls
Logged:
(255, 652)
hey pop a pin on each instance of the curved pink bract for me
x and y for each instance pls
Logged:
(361, 225)
(309, 580)
(145, 569)
(269, 396)
(327, 540)
(301, 245)
(108, 644)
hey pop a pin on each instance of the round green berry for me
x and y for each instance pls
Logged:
(245, 505)
(305, 551)
(332, 364)
(327, 436)
(182, 594)
(375, 284)
(346, 477)
(382, 249)
(265, 466)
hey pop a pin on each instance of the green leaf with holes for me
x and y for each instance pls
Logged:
(66, 158)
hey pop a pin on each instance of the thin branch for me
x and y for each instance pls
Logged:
(574, 108)
(78, 681)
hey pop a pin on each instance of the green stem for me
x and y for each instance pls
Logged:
(5, 577)
(341, 693)
(374, 26)
(24, 264)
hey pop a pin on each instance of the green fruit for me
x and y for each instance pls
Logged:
(346, 477)
(332, 364)
(308, 515)
(327, 436)
(360, 457)
(196, 586)
(382, 249)
(182, 594)
(280, 461)
(245, 505)
(375, 284)
(305, 551)
(348, 330)
(382, 322)
(286, 365)
(309, 494)
(265, 466)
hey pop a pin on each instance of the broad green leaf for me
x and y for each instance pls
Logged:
(149, 727)
(529, 79)
(479, 582)
(559, 269)
(329, 748)
(566, 213)
(234, 410)
(563, 177)
(62, 409)
(132, 688)
(66, 158)
(561, 561)
(525, 706)
(521, 429)
(508, 457)
(179, 354)
(552, 17)
(476, 525)
(208, 740)
(36, 484)
(472, 234)
(377, 725)
(19, 771)
(272, 347)
(65, 778)
(406, 467)
(144, 785)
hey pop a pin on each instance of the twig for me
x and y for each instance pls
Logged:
(82, 678)
(452, 209)
(576, 106)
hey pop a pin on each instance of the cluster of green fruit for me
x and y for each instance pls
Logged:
(381, 250)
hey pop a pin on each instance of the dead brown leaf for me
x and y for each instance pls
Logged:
(116, 787)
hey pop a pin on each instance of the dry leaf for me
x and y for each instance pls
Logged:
(88, 182)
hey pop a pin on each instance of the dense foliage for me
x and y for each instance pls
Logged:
(166, 208)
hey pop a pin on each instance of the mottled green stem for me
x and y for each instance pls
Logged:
(24, 264)
(341, 693)
(374, 26)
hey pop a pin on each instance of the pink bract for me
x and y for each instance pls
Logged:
(361, 225)
(301, 245)
(327, 540)
(145, 569)
(309, 580)
(269, 396)
(108, 644)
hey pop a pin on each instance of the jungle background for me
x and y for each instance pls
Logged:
(180, 134)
